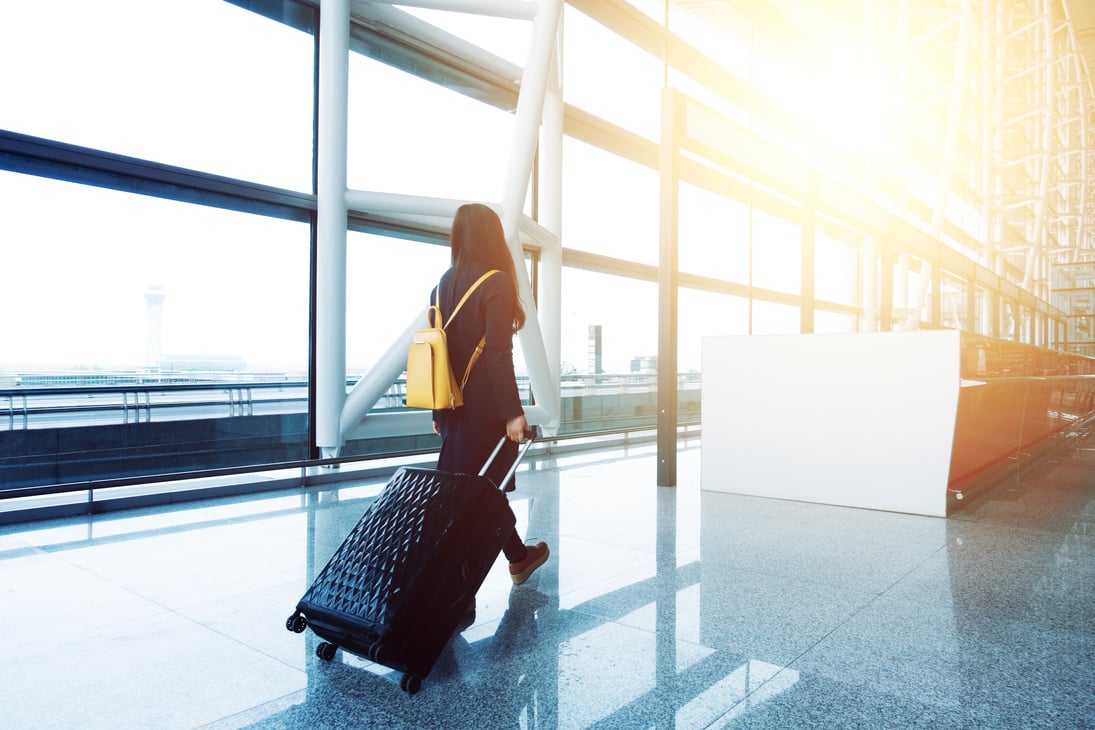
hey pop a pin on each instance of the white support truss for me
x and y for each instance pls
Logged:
(539, 103)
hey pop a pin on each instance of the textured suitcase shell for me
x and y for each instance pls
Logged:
(396, 587)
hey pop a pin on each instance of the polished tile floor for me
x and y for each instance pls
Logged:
(660, 608)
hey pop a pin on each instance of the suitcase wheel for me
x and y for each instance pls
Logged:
(380, 653)
(326, 651)
(296, 623)
(410, 683)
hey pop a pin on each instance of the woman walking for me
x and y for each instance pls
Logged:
(492, 406)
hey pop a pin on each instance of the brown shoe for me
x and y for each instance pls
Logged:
(535, 556)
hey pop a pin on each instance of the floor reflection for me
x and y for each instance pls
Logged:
(660, 608)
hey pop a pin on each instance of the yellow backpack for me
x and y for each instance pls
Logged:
(431, 382)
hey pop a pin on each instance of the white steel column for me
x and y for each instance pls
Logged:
(530, 108)
(543, 359)
(551, 218)
(334, 71)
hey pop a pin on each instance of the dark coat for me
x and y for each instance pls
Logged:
(470, 433)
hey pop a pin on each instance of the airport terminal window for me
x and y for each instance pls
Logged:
(611, 77)
(611, 204)
(908, 272)
(412, 136)
(708, 32)
(1027, 326)
(982, 322)
(206, 86)
(773, 318)
(123, 281)
(953, 303)
(713, 235)
(836, 269)
(1009, 320)
(704, 314)
(624, 308)
(384, 294)
(834, 322)
(777, 253)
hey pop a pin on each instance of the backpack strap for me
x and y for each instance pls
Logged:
(482, 340)
(468, 293)
(471, 362)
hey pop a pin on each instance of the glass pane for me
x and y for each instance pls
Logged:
(411, 136)
(981, 312)
(228, 290)
(1010, 321)
(190, 322)
(705, 314)
(625, 309)
(777, 253)
(211, 86)
(384, 295)
(834, 322)
(836, 269)
(713, 235)
(719, 30)
(770, 318)
(953, 301)
(610, 77)
(611, 204)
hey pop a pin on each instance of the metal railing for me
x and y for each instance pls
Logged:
(94, 460)
(97, 405)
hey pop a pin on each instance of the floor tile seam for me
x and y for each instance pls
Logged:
(874, 598)
(283, 702)
(160, 608)
(653, 633)
(1019, 530)
(114, 584)
(235, 640)
(649, 551)
(869, 592)
(719, 721)
(580, 590)
(168, 610)
(829, 535)
(788, 665)
(888, 590)
(793, 578)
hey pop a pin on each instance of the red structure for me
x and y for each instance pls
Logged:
(1013, 399)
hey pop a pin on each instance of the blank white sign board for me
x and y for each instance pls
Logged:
(861, 420)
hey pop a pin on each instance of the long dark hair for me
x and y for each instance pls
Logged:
(478, 242)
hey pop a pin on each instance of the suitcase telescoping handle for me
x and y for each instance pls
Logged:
(529, 436)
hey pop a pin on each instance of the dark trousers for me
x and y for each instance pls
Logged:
(514, 549)
(466, 442)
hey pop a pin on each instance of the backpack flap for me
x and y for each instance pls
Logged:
(430, 380)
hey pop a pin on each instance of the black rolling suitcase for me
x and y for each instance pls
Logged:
(396, 588)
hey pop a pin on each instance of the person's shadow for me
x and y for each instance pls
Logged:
(505, 679)
(512, 675)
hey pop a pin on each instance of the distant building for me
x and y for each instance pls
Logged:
(203, 361)
(644, 364)
(595, 353)
(153, 298)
